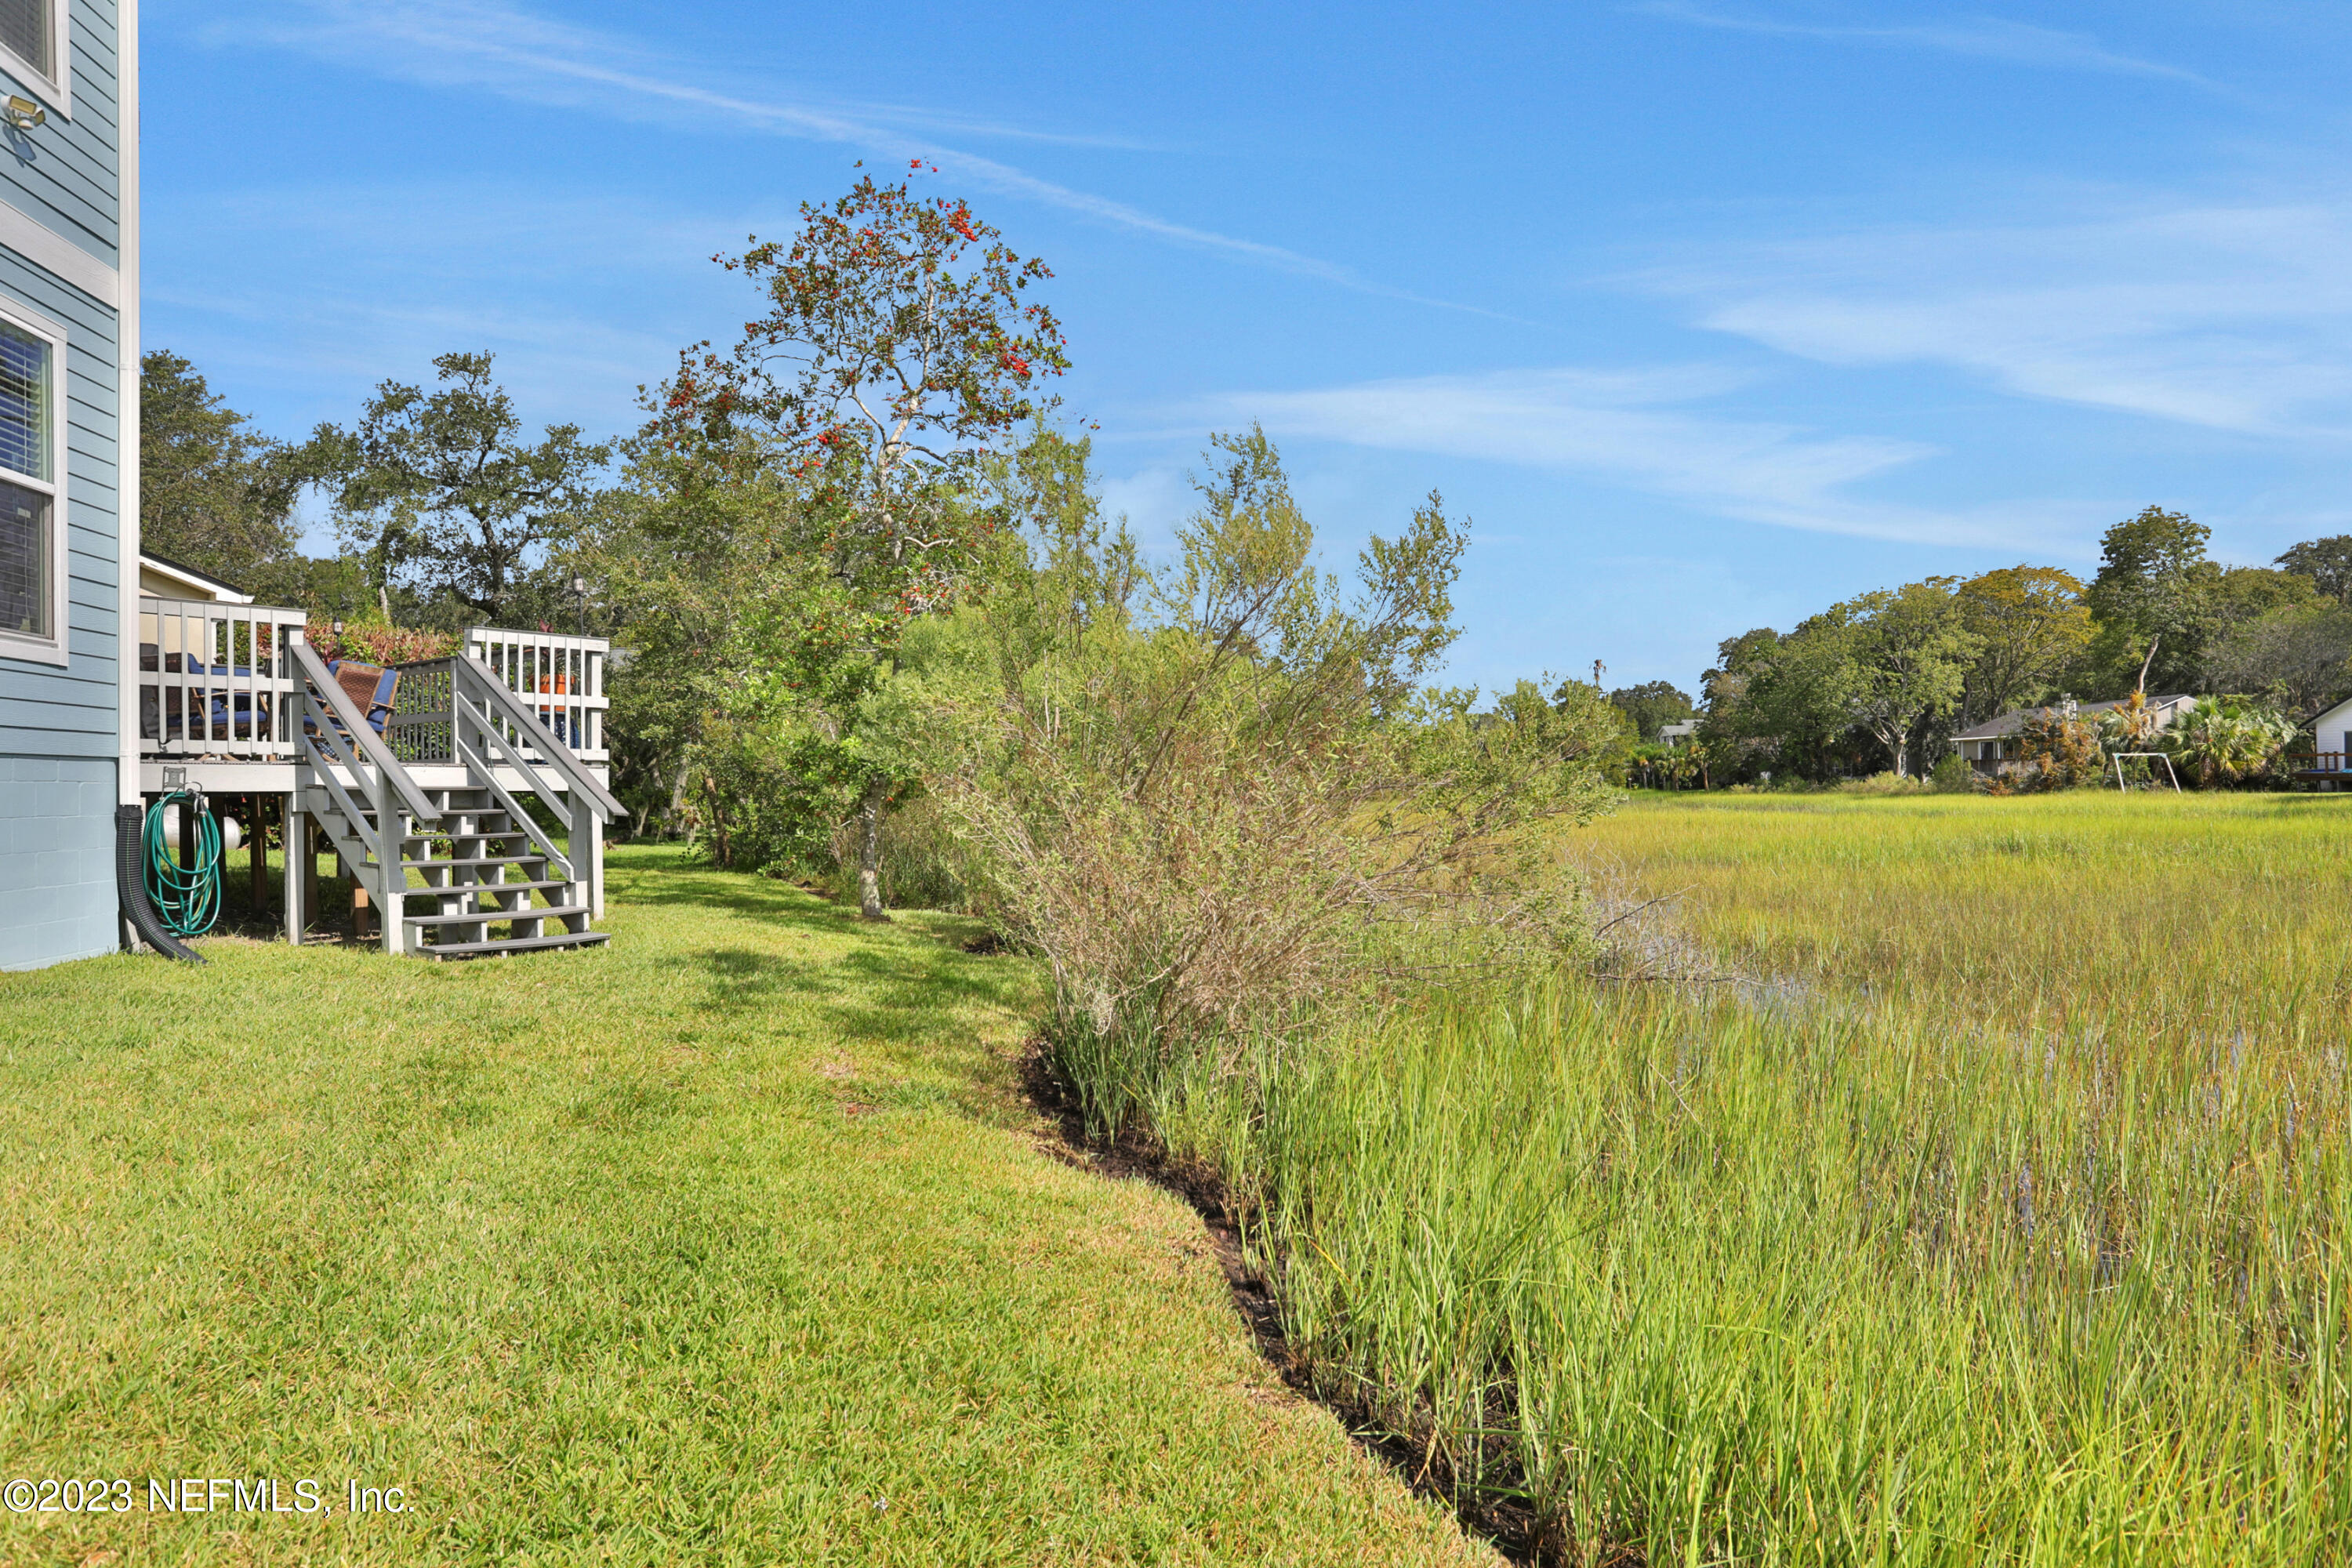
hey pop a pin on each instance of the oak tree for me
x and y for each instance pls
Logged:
(2031, 624)
(441, 488)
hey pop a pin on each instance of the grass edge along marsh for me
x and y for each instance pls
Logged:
(730, 1244)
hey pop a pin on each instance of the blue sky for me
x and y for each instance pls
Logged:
(1706, 314)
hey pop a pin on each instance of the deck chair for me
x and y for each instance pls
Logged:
(371, 687)
(217, 713)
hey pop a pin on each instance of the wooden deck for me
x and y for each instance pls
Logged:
(219, 700)
(235, 702)
(2323, 770)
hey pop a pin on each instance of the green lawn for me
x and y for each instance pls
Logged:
(730, 1243)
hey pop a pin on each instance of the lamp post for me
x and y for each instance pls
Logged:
(580, 595)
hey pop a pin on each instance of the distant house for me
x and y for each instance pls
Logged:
(1991, 747)
(162, 578)
(2330, 766)
(1678, 733)
(2331, 732)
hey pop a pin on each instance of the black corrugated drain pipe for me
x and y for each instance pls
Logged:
(131, 888)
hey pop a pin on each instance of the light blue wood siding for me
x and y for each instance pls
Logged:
(57, 726)
(63, 173)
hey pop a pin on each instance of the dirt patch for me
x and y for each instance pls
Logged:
(1513, 1529)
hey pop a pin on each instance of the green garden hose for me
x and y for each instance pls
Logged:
(187, 897)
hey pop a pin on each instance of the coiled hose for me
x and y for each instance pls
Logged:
(131, 891)
(187, 899)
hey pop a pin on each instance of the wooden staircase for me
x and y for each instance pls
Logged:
(487, 887)
(463, 870)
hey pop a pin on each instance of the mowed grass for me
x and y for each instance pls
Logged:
(732, 1243)
(2007, 1219)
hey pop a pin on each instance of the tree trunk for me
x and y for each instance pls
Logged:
(869, 851)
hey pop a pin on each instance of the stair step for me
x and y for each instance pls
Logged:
(513, 944)
(493, 917)
(484, 888)
(477, 860)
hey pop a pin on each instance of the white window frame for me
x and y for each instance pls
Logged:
(57, 647)
(57, 91)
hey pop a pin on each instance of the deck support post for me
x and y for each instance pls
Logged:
(309, 870)
(257, 852)
(294, 832)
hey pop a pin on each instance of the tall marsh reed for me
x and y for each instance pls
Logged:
(2020, 1236)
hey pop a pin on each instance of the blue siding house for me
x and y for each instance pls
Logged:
(68, 466)
(126, 679)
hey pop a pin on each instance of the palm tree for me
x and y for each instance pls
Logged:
(2227, 740)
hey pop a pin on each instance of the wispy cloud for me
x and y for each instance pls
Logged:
(316, 290)
(1982, 37)
(1631, 428)
(2236, 316)
(485, 45)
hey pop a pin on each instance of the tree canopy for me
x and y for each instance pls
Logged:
(440, 492)
(1651, 706)
(214, 492)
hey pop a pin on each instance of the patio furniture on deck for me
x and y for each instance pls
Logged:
(216, 712)
(373, 689)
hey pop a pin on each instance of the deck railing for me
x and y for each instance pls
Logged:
(560, 678)
(218, 680)
(2316, 762)
(419, 728)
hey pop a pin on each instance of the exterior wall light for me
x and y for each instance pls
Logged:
(23, 113)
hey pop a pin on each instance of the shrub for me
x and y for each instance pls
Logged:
(751, 804)
(2060, 752)
(377, 642)
(1952, 775)
(1215, 793)
(1888, 782)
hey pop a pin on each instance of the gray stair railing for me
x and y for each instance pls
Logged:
(338, 735)
(490, 721)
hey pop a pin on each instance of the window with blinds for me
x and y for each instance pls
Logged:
(24, 402)
(25, 555)
(25, 29)
(27, 489)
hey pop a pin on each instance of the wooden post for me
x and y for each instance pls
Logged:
(309, 872)
(258, 853)
(292, 827)
(392, 832)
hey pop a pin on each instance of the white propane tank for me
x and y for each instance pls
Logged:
(231, 834)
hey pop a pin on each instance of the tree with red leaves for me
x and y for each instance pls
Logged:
(900, 348)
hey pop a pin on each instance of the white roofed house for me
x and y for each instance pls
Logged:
(2328, 764)
(1990, 748)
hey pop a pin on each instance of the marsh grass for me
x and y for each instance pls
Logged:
(2013, 1231)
